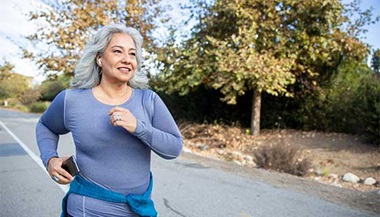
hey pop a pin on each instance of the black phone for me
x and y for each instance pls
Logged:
(70, 165)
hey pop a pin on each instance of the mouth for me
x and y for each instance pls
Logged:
(125, 69)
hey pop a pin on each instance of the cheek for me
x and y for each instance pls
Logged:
(134, 63)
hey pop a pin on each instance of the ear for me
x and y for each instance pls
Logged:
(99, 62)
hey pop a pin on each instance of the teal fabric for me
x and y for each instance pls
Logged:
(141, 204)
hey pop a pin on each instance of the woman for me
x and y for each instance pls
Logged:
(115, 123)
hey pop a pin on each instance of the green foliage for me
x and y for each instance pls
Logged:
(242, 69)
(349, 103)
(39, 107)
(51, 87)
(325, 172)
(375, 61)
(16, 89)
(30, 96)
(14, 104)
(257, 44)
(277, 47)
(12, 85)
(203, 105)
(367, 109)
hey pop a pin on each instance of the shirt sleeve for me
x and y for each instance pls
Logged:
(50, 126)
(162, 134)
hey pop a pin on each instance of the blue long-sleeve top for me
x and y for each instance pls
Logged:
(107, 155)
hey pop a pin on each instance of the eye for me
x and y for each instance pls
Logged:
(117, 51)
(132, 53)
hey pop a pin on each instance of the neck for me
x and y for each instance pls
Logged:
(112, 94)
(114, 91)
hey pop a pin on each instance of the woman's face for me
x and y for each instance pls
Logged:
(119, 61)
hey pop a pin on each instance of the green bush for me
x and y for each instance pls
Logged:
(349, 104)
(39, 107)
(20, 107)
(367, 109)
(50, 88)
(14, 103)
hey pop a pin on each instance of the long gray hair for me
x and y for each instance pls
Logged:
(87, 73)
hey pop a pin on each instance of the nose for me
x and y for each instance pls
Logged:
(127, 58)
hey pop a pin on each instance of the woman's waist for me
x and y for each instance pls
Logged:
(78, 205)
(122, 182)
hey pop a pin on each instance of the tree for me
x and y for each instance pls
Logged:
(375, 61)
(349, 103)
(32, 95)
(51, 87)
(282, 47)
(244, 61)
(12, 85)
(67, 25)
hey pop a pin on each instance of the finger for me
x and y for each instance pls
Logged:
(57, 171)
(66, 174)
(55, 167)
(61, 179)
(116, 109)
(116, 117)
(63, 175)
(52, 164)
(55, 178)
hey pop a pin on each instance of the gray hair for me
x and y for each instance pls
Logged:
(87, 73)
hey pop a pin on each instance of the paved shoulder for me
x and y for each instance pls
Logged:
(25, 188)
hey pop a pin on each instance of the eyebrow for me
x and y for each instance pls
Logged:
(121, 47)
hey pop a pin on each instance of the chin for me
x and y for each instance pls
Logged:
(125, 79)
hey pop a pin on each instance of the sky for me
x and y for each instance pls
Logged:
(14, 25)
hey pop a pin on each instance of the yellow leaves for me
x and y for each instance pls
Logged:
(231, 101)
(33, 16)
(71, 22)
(241, 67)
(11, 84)
(27, 54)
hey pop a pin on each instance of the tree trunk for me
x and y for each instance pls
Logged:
(255, 115)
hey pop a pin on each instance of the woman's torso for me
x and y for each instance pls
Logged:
(106, 155)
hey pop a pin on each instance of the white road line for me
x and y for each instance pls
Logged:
(34, 157)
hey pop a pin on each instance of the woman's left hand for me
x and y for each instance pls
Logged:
(121, 117)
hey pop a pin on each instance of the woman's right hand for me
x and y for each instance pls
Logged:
(57, 173)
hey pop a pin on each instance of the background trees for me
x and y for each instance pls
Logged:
(280, 47)
(51, 87)
(16, 90)
(12, 85)
(66, 25)
(375, 62)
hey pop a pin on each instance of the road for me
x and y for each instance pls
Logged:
(189, 186)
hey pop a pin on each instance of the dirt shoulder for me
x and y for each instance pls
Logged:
(364, 201)
(331, 154)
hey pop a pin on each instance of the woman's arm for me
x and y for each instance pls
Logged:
(162, 135)
(49, 127)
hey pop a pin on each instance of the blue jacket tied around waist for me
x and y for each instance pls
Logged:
(141, 204)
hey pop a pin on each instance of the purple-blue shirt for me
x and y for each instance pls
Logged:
(106, 155)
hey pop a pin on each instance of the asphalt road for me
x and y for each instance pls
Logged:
(189, 186)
